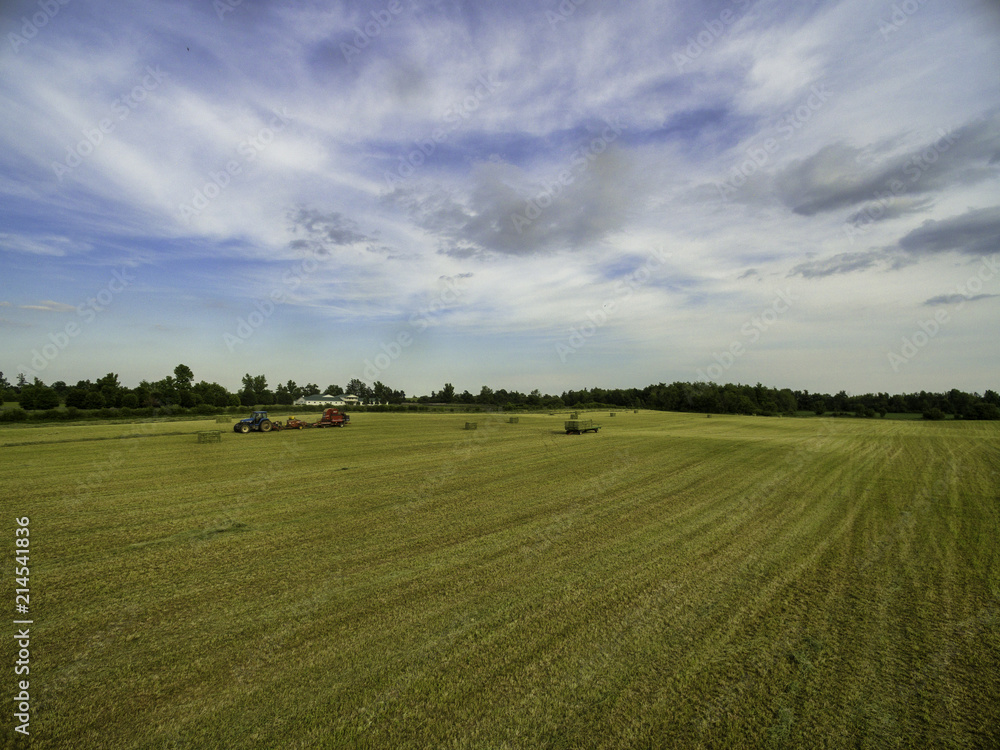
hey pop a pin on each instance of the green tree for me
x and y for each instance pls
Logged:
(358, 388)
(94, 400)
(282, 395)
(76, 397)
(447, 394)
(333, 390)
(183, 376)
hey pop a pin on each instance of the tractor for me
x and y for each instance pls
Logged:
(258, 422)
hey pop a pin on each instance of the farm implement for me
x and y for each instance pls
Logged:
(577, 426)
(259, 422)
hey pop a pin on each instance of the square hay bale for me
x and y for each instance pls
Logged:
(209, 436)
(472, 425)
(579, 424)
(574, 415)
(611, 414)
(514, 420)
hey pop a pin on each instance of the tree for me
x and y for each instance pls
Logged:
(183, 376)
(282, 395)
(381, 392)
(485, 395)
(94, 400)
(76, 397)
(255, 391)
(447, 394)
(333, 390)
(358, 388)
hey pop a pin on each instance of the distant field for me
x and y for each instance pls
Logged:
(671, 581)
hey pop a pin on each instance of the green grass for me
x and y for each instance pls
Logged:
(671, 581)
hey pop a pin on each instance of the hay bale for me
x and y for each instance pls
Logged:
(472, 425)
(514, 420)
(575, 415)
(611, 414)
(210, 436)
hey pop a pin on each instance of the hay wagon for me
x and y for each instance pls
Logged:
(577, 426)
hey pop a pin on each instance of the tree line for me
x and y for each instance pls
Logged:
(108, 397)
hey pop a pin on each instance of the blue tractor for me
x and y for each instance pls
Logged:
(258, 422)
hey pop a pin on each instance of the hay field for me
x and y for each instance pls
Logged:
(671, 581)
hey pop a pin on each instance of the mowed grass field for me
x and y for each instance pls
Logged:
(671, 581)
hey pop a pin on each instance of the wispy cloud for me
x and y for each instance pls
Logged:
(49, 306)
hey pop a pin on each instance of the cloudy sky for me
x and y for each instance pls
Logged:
(541, 195)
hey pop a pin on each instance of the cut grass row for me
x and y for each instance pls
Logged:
(671, 581)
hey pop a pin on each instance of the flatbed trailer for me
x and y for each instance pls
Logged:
(578, 426)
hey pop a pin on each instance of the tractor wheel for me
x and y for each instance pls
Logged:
(265, 426)
(244, 428)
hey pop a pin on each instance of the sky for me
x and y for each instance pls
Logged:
(551, 195)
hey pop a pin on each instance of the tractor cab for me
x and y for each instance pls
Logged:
(257, 421)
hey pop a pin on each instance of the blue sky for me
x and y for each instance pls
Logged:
(542, 195)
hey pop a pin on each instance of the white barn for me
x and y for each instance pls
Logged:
(327, 401)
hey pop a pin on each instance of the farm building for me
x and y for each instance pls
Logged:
(327, 401)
